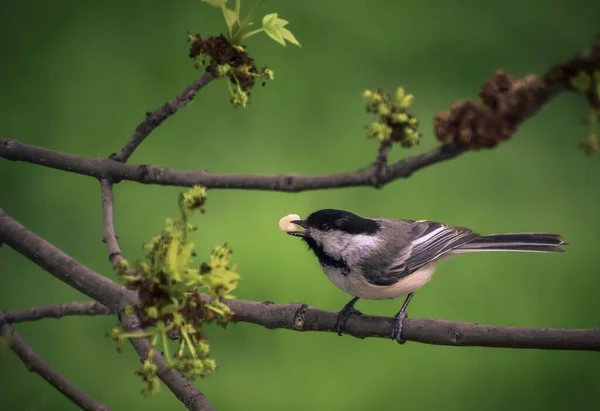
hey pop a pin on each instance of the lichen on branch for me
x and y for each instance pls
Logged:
(169, 287)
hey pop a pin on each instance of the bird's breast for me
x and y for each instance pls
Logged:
(353, 283)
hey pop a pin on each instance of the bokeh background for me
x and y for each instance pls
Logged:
(78, 76)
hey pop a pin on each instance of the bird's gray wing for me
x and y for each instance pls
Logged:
(427, 240)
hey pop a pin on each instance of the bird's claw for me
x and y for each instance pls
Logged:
(343, 317)
(398, 325)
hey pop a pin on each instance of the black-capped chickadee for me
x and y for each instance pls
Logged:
(379, 258)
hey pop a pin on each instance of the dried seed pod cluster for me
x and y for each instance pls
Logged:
(505, 103)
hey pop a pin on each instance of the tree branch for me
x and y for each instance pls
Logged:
(148, 174)
(54, 311)
(62, 266)
(154, 119)
(37, 364)
(301, 317)
(509, 105)
(103, 290)
(291, 316)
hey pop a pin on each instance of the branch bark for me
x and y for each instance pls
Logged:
(103, 290)
(53, 311)
(109, 232)
(148, 174)
(301, 317)
(37, 364)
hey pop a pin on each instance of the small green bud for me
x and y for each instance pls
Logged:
(143, 268)
(210, 365)
(371, 98)
(413, 121)
(223, 69)
(129, 309)
(383, 109)
(582, 81)
(399, 118)
(407, 101)
(411, 138)
(122, 267)
(400, 93)
(268, 74)
(152, 312)
(244, 70)
(194, 198)
(240, 98)
(380, 131)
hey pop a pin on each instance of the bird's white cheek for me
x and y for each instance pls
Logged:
(341, 244)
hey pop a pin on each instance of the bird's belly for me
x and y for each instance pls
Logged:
(357, 286)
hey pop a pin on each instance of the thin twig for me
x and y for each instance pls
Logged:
(159, 115)
(37, 364)
(186, 392)
(113, 296)
(54, 311)
(109, 232)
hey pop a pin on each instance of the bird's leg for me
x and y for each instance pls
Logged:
(399, 318)
(343, 316)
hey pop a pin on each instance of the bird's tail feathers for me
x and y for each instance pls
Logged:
(519, 242)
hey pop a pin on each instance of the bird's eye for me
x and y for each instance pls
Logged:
(324, 226)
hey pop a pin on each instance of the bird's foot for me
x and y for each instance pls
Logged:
(343, 316)
(398, 324)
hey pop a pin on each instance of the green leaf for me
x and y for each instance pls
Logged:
(215, 3)
(269, 19)
(280, 22)
(289, 36)
(275, 34)
(230, 18)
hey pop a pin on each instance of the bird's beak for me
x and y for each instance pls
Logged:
(302, 224)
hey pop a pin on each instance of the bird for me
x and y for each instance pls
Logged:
(382, 258)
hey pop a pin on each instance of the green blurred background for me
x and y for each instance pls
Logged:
(78, 76)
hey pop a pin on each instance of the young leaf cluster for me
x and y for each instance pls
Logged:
(393, 123)
(588, 83)
(237, 27)
(231, 62)
(169, 285)
(228, 57)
